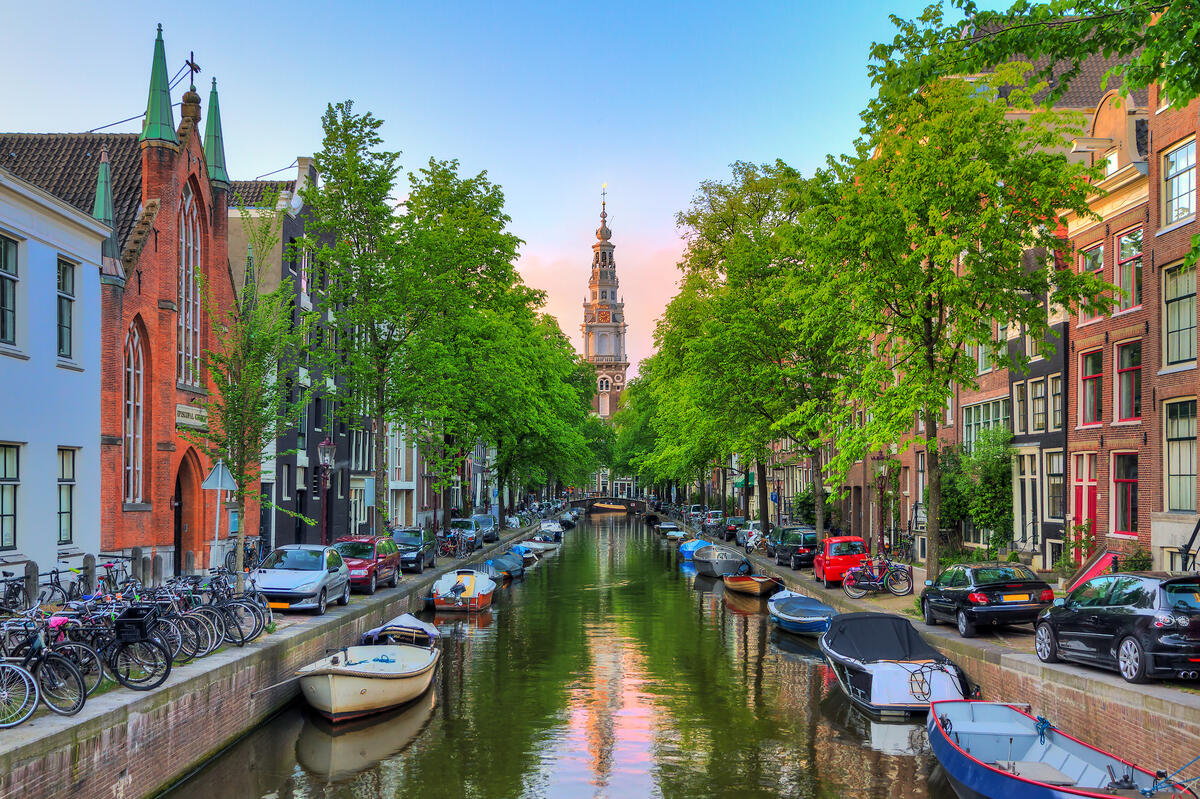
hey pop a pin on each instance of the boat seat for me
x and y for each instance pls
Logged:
(1035, 770)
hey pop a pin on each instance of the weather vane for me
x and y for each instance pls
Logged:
(193, 67)
(604, 193)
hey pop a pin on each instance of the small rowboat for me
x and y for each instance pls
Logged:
(541, 543)
(688, 547)
(465, 589)
(992, 750)
(715, 561)
(360, 680)
(757, 584)
(800, 614)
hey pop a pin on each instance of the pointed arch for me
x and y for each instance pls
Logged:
(134, 412)
(188, 259)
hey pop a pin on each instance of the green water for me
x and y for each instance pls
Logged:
(609, 671)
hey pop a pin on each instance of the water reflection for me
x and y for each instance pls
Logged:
(607, 671)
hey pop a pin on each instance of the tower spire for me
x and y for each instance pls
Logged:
(214, 140)
(102, 210)
(159, 124)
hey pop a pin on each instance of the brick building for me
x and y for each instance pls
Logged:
(169, 200)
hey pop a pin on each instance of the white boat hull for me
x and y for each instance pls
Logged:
(354, 682)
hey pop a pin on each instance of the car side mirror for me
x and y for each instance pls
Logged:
(334, 569)
(1060, 602)
(929, 582)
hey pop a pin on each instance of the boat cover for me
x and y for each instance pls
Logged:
(872, 637)
(800, 605)
(692, 546)
(401, 623)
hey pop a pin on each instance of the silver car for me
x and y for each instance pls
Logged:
(304, 577)
(754, 526)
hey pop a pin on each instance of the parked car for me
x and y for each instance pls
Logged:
(713, 521)
(487, 524)
(373, 560)
(837, 554)
(304, 577)
(797, 546)
(470, 530)
(694, 513)
(418, 548)
(744, 531)
(731, 527)
(1142, 624)
(974, 594)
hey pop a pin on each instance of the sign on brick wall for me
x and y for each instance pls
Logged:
(191, 416)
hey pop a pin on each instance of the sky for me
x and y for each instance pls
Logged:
(551, 99)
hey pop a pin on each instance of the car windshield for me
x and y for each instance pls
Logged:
(301, 560)
(462, 524)
(1182, 596)
(482, 521)
(791, 537)
(1000, 574)
(355, 549)
(737, 519)
(848, 548)
(407, 539)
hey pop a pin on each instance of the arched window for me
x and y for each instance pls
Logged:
(188, 340)
(134, 397)
(604, 384)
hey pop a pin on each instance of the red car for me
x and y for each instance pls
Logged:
(372, 560)
(836, 555)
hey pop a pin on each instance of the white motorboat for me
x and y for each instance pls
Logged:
(360, 680)
(540, 544)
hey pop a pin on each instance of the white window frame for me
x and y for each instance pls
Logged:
(13, 278)
(1032, 425)
(134, 416)
(187, 363)
(1066, 485)
(1020, 410)
(1167, 219)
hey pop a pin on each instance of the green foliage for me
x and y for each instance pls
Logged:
(1137, 560)
(1014, 557)
(805, 511)
(956, 487)
(991, 503)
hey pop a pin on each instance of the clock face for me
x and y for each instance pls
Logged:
(605, 316)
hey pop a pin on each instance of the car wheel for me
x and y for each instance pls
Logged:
(778, 562)
(395, 576)
(371, 586)
(793, 563)
(1045, 643)
(321, 604)
(344, 599)
(421, 565)
(1131, 659)
(965, 628)
(927, 613)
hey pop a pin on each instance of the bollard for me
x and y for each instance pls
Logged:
(147, 574)
(135, 564)
(88, 578)
(31, 583)
(189, 562)
(158, 570)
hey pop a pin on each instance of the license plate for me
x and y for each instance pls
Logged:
(279, 605)
(1016, 597)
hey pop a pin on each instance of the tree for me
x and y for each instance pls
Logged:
(946, 194)
(991, 497)
(254, 343)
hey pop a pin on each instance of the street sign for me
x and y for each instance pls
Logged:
(219, 478)
(774, 496)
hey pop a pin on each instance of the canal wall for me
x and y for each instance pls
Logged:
(126, 745)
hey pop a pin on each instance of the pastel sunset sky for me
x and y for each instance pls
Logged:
(553, 100)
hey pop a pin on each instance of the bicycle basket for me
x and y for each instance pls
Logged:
(133, 623)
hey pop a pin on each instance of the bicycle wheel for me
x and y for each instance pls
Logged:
(140, 665)
(851, 587)
(250, 618)
(898, 582)
(86, 659)
(60, 684)
(206, 634)
(216, 620)
(18, 694)
(188, 642)
(53, 595)
(236, 625)
(166, 633)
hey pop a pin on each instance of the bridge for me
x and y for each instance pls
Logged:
(630, 505)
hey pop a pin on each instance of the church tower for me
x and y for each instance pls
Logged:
(604, 322)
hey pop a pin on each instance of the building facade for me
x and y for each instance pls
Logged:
(604, 325)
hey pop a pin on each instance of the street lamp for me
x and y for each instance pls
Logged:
(777, 471)
(326, 451)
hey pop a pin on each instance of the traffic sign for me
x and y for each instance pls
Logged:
(219, 478)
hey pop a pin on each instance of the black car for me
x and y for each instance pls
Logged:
(776, 534)
(797, 547)
(1142, 624)
(729, 532)
(974, 594)
(418, 548)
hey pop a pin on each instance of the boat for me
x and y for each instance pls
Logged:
(506, 566)
(993, 750)
(886, 668)
(677, 535)
(757, 584)
(800, 614)
(666, 527)
(338, 752)
(357, 681)
(463, 589)
(551, 528)
(715, 561)
(541, 543)
(404, 629)
(529, 558)
(688, 547)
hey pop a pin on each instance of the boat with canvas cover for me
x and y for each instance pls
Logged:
(886, 668)
(799, 614)
(715, 561)
(463, 589)
(541, 543)
(688, 547)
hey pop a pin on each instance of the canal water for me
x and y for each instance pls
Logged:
(611, 670)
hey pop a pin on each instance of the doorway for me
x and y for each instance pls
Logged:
(177, 540)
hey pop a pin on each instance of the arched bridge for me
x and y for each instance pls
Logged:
(630, 505)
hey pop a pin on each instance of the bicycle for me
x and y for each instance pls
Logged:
(253, 553)
(892, 577)
(57, 593)
(61, 686)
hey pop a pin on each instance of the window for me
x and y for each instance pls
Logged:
(1055, 485)
(1022, 409)
(134, 416)
(1093, 262)
(1179, 183)
(188, 333)
(305, 277)
(981, 417)
(1181, 455)
(1129, 269)
(1179, 298)
(1083, 480)
(66, 304)
(10, 477)
(1111, 163)
(983, 358)
(302, 428)
(8, 291)
(66, 494)
(1092, 387)
(604, 384)
(1056, 403)
(1031, 346)
(286, 483)
(1125, 490)
(1037, 399)
(301, 478)
(1129, 381)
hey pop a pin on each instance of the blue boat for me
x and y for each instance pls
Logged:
(688, 547)
(992, 750)
(800, 614)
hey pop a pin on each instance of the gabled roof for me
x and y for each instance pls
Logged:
(1087, 89)
(66, 165)
(251, 192)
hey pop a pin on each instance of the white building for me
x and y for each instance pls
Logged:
(50, 264)
(403, 472)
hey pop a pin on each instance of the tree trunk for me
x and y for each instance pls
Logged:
(745, 493)
(703, 489)
(239, 556)
(381, 468)
(933, 530)
(818, 486)
(764, 508)
(501, 485)
(724, 494)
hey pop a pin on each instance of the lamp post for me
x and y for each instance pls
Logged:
(777, 471)
(326, 451)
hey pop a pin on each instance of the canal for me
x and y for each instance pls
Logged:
(609, 671)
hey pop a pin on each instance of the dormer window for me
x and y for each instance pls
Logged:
(1112, 164)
